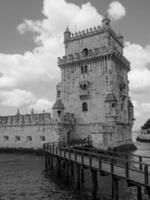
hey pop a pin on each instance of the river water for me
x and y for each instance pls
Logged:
(22, 177)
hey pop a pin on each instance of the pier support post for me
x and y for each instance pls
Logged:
(78, 176)
(58, 167)
(82, 177)
(48, 161)
(51, 158)
(114, 188)
(139, 193)
(72, 170)
(94, 183)
(67, 171)
(46, 157)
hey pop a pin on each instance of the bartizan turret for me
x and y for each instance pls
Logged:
(67, 35)
(58, 111)
(106, 22)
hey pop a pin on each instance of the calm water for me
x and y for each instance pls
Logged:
(22, 177)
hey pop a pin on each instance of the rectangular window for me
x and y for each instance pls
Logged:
(42, 138)
(29, 138)
(17, 138)
(6, 138)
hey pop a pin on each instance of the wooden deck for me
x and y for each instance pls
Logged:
(119, 165)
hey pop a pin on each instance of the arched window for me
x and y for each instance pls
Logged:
(84, 69)
(84, 107)
(59, 113)
(85, 52)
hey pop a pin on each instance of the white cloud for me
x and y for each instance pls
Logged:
(116, 10)
(19, 98)
(40, 105)
(59, 15)
(139, 77)
(139, 56)
(140, 60)
(16, 98)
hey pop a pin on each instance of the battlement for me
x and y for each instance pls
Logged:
(85, 33)
(96, 52)
(27, 119)
(34, 119)
(91, 32)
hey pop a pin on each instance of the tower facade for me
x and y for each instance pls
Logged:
(94, 86)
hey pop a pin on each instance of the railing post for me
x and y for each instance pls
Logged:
(69, 154)
(53, 148)
(60, 151)
(127, 169)
(57, 151)
(64, 154)
(112, 166)
(50, 148)
(146, 174)
(46, 158)
(90, 160)
(75, 156)
(140, 163)
(82, 159)
(100, 164)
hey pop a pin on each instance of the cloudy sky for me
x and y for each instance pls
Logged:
(31, 40)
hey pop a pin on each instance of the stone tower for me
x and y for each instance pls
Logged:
(94, 86)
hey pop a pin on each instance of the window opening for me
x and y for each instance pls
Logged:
(6, 138)
(85, 51)
(84, 107)
(17, 138)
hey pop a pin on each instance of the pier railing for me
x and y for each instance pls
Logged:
(137, 172)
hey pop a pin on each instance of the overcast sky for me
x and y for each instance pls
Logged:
(31, 40)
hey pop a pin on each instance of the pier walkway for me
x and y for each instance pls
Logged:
(118, 165)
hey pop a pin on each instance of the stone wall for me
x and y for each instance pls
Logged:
(32, 136)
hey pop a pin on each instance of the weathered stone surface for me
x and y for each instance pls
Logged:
(92, 98)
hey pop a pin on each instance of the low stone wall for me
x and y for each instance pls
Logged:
(27, 137)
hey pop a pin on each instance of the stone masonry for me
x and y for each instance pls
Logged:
(94, 87)
(92, 98)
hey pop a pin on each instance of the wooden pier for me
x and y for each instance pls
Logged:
(134, 171)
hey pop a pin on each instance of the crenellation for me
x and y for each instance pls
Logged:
(85, 33)
(25, 120)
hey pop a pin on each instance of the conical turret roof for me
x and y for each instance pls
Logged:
(58, 104)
